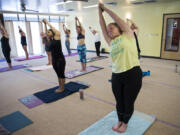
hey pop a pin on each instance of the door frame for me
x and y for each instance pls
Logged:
(162, 36)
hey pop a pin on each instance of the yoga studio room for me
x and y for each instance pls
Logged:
(89, 67)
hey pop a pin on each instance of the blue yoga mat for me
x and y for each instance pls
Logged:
(138, 124)
(15, 121)
(49, 95)
(148, 73)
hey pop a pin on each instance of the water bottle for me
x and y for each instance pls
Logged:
(81, 93)
(176, 68)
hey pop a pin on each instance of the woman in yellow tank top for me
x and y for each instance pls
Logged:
(126, 71)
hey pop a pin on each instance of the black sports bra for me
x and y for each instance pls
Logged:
(80, 36)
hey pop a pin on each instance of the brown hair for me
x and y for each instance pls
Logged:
(116, 25)
(79, 27)
(52, 32)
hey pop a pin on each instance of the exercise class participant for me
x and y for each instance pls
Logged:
(5, 45)
(81, 44)
(23, 42)
(126, 71)
(58, 60)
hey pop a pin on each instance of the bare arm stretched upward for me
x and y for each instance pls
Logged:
(90, 29)
(122, 24)
(56, 32)
(103, 26)
(21, 30)
(45, 28)
(5, 33)
(78, 23)
(64, 28)
(136, 29)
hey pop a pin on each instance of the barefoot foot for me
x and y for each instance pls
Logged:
(122, 128)
(59, 90)
(117, 126)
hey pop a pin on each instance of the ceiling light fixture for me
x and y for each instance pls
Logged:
(92, 6)
(62, 3)
(62, 11)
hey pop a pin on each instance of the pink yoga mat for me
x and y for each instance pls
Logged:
(30, 58)
(72, 54)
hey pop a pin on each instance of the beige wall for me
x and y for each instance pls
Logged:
(148, 17)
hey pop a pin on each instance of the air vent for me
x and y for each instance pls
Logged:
(70, 10)
(141, 1)
(76, 0)
(136, 1)
(112, 3)
(149, 1)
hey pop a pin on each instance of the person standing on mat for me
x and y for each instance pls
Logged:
(46, 42)
(126, 71)
(23, 42)
(67, 41)
(58, 60)
(5, 45)
(96, 40)
(135, 30)
(81, 44)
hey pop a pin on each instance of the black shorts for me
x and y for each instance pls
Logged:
(47, 48)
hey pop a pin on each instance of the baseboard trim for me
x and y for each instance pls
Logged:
(153, 57)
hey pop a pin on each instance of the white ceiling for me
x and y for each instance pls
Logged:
(49, 6)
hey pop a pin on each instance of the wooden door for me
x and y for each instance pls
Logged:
(170, 45)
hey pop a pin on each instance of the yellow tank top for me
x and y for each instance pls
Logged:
(123, 53)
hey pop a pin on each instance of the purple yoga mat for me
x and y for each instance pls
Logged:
(2, 60)
(72, 54)
(3, 131)
(77, 72)
(13, 68)
(30, 58)
(30, 101)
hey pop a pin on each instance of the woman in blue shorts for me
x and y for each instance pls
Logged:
(81, 44)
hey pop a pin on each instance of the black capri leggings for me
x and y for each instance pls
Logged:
(126, 87)
(6, 53)
(59, 66)
(98, 45)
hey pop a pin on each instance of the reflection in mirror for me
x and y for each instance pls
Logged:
(172, 34)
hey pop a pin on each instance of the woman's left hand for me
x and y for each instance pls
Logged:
(101, 6)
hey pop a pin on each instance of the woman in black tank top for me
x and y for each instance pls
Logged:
(23, 42)
(58, 60)
(5, 45)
